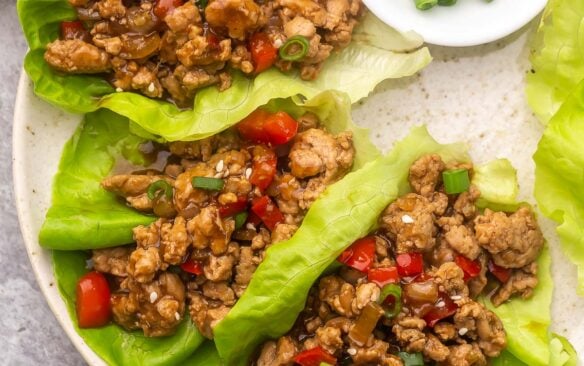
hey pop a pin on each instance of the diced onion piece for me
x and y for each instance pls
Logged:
(366, 323)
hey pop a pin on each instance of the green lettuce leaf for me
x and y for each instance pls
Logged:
(558, 57)
(349, 210)
(113, 344)
(377, 53)
(559, 176)
(84, 216)
(205, 355)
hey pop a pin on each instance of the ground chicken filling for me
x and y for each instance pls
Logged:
(407, 294)
(221, 203)
(171, 48)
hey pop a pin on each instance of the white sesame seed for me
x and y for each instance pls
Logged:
(220, 166)
(250, 226)
(176, 315)
(440, 304)
(247, 173)
(407, 219)
(119, 90)
(462, 331)
(153, 297)
(151, 88)
(278, 43)
(456, 297)
(351, 351)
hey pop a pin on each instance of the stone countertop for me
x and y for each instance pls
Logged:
(29, 332)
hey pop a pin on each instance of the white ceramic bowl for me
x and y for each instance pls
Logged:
(467, 23)
(479, 100)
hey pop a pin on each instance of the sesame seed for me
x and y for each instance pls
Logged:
(176, 315)
(407, 219)
(119, 90)
(352, 351)
(250, 226)
(153, 297)
(462, 331)
(278, 43)
(151, 88)
(247, 173)
(440, 304)
(220, 166)
(456, 297)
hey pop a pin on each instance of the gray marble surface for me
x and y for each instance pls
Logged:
(29, 333)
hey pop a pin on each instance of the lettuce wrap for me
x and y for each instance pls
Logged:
(349, 210)
(557, 59)
(376, 53)
(84, 216)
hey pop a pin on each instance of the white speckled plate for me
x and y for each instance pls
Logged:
(467, 23)
(473, 95)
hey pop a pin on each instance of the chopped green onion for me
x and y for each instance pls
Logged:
(209, 184)
(412, 359)
(456, 181)
(394, 307)
(294, 49)
(158, 188)
(202, 3)
(446, 2)
(240, 219)
(425, 4)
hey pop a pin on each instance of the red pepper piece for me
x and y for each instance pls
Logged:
(360, 255)
(383, 276)
(409, 264)
(438, 313)
(233, 208)
(252, 127)
(314, 357)
(93, 300)
(264, 167)
(192, 266)
(280, 128)
(263, 52)
(267, 210)
(162, 7)
(502, 274)
(253, 219)
(73, 30)
(470, 268)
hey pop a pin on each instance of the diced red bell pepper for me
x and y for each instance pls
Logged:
(93, 300)
(252, 127)
(280, 128)
(470, 268)
(502, 274)
(267, 210)
(264, 167)
(383, 276)
(438, 313)
(314, 357)
(233, 208)
(73, 30)
(263, 52)
(409, 264)
(360, 255)
(162, 7)
(253, 219)
(192, 266)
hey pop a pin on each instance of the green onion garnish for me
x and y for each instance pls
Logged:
(390, 299)
(455, 181)
(294, 49)
(158, 188)
(425, 4)
(446, 2)
(411, 359)
(202, 3)
(240, 219)
(209, 184)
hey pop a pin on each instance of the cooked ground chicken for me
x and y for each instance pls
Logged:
(439, 321)
(171, 52)
(196, 257)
